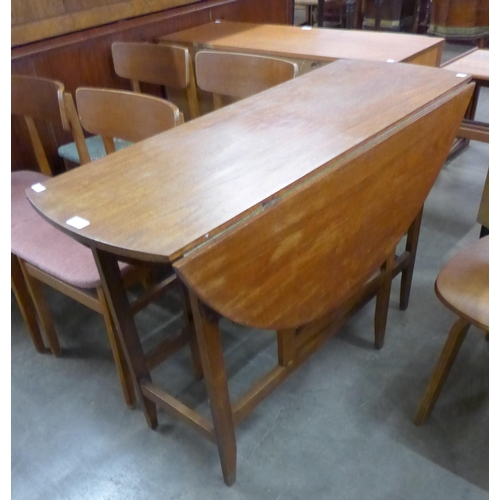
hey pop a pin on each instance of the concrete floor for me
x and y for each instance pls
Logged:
(339, 428)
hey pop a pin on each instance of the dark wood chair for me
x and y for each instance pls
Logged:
(231, 76)
(463, 287)
(46, 255)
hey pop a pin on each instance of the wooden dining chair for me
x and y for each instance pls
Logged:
(236, 76)
(46, 255)
(168, 66)
(463, 287)
(44, 100)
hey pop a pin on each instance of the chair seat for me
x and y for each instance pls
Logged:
(94, 145)
(45, 247)
(463, 283)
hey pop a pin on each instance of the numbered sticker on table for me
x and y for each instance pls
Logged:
(77, 222)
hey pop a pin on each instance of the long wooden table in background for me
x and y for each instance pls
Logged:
(273, 211)
(310, 48)
(475, 63)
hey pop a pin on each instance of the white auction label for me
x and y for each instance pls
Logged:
(78, 222)
(461, 75)
(38, 187)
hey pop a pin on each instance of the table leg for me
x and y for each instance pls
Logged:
(212, 359)
(321, 12)
(350, 14)
(119, 306)
(378, 13)
(193, 344)
(411, 248)
(383, 297)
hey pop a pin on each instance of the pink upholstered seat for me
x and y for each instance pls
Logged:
(40, 244)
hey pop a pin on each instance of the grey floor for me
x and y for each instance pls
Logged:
(339, 428)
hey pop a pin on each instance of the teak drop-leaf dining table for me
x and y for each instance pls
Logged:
(260, 226)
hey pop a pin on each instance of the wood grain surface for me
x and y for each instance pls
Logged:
(475, 63)
(463, 284)
(318, 44)
(320, 243)
(34, 20)
(164, 196)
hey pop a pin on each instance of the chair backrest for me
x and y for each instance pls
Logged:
(166, 65)
(43, 99)
(124, 115)
(239, 75)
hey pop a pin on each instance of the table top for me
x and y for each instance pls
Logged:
(475, 63)
(163, 197)
(320, 44)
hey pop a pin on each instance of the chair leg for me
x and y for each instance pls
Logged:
(209, 341)
(411, 248)
(383, 297)
(25, 303)
(42, 309)
(122, 368)
(484, 232)
(442, 369)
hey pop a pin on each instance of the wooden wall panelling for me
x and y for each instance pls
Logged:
(34, 20)
(267, 11)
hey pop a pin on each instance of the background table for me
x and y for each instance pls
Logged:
(311, 47)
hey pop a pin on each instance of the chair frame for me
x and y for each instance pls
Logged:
(27, 285)
(456, 336)
(254, 82)
(145, 62)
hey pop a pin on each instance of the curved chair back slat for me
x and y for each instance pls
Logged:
(159, 64)
(240, 75)
(125, 115)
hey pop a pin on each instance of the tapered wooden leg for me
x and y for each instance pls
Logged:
(119, 307)
(36, 291)
(25, 303)
(411, 248)
(122, 368)
(382, 305)
(286, 346)
(189, 322)
(212, 359)
(443, 366)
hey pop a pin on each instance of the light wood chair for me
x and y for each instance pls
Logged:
(40, 99)
(462, 286)
(44, 254)
(236, 76)
(167, 66)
